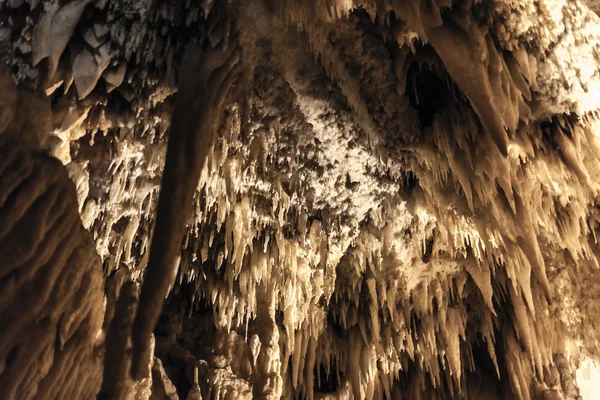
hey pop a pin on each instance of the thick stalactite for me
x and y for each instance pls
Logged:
(400, 200)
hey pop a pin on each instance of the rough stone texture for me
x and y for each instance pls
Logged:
(401, 201)
(51, 283)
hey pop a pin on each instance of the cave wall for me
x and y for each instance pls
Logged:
(50, 275)
(401, 200)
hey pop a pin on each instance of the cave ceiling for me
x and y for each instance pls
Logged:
(401, 199)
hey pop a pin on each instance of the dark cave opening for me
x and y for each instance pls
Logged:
(428, 250)
(185, 329)
(484, 381)
(410, 182)
(427, 93)
(327, 381)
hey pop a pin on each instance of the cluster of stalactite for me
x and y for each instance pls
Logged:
(402, 206)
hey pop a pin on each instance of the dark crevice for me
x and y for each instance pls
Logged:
(427, 93)
(11, 357)
(327, 381)
(428, 250)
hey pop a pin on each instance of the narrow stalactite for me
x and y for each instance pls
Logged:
(205, 79)
(116, 382)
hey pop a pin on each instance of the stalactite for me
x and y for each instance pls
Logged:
(116, 382)
(401, 182)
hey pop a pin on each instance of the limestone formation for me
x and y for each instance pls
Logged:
(321, 199)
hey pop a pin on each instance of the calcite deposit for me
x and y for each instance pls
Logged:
(380, 199)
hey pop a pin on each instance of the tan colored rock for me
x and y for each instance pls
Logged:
(8, 100)
(52, 308)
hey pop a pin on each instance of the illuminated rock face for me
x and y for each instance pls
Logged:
(400, 203)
